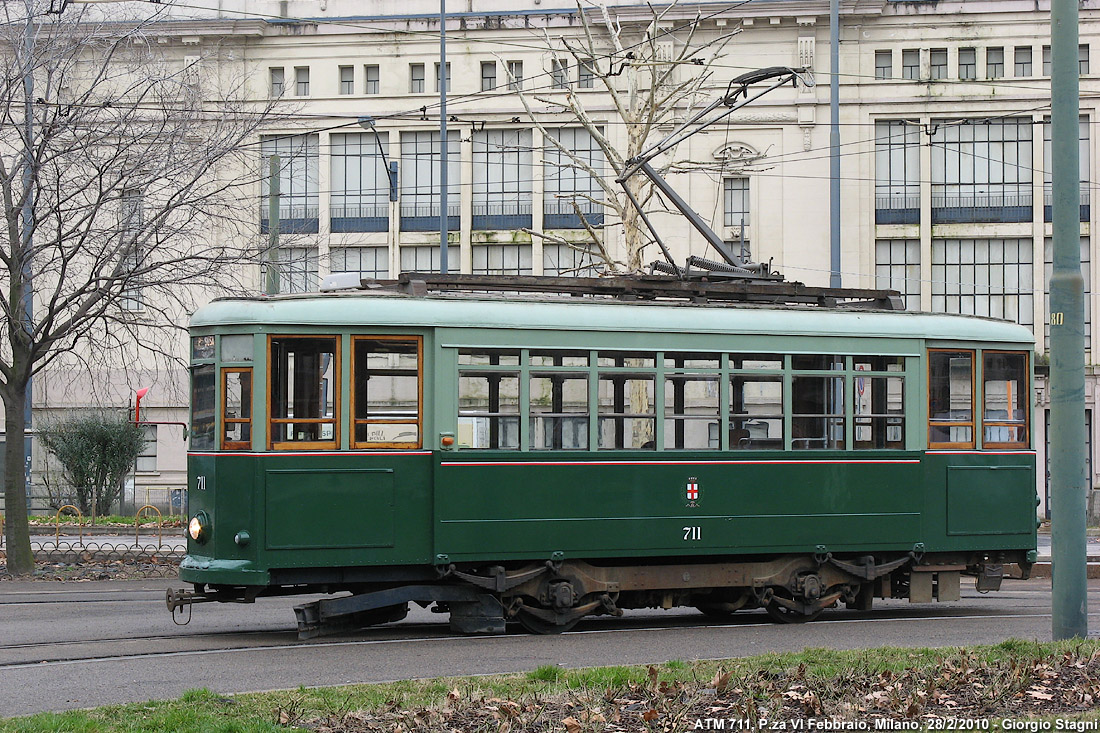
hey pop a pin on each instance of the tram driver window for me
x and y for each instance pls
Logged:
(950, 399)
(386, 392)
(304, 379)
(236, 409)
(1004, 396)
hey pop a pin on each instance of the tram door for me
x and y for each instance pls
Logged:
(1088, 456)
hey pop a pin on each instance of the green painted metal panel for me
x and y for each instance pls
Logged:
(630, 506)
(334, 508)
(990, 500)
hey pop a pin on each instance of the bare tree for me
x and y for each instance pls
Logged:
(125, 175)
(654, 71)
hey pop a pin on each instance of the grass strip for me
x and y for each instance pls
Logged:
(1046, 683)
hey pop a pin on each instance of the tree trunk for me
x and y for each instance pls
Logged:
(16, 529)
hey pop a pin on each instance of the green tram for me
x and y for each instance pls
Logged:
(538, 459)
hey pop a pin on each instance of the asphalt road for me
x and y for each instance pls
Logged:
(74, 645)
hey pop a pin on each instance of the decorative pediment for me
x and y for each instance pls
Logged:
(737, 154)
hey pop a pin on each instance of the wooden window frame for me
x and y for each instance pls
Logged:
(973, 407)
(335, 420)
(1027, 409)
(356, 420)
(235, 444)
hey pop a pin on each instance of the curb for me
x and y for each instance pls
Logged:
(1042, 569)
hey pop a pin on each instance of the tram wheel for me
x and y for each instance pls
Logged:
(783, 615)
(538, 625)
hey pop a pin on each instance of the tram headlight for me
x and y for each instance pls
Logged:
(199, 527)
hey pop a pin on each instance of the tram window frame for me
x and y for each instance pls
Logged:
(334, 421)
(620, 425)
(1025, 389)
(245, 417)
(941, 423)
(679, 417)
(356, 420)
(493, 366)
(204, 384)
(741, 437)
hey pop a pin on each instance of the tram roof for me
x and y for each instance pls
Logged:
(344, 310)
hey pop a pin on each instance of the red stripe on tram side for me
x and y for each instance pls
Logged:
(268, 454)
(678, 463)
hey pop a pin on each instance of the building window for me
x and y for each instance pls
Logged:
(297, 267)
(502, 259)
(570, 172)
(937, 63)
(366, 262)
(995, 62)
(1086, 267)
(278, 81)
(981, 171)
(1082, 60)
(298, 197)
(420, 181)
(1046, 60)
(1022, 65)
(360, 183)
(968, 63)
(425, 258)
(301, 81)
(347, 80)
(559, 74)
(502, 179)
(884, 64)
(586, 73)
(448, 79)
(488, 76)
(416, 78)
(131, 215)
(371, 84)
(910, 63)
(983, 277)
(515, 75)
(571, 260)
(897, 172)
(147, 459)
(897, 267)
(1083, 161)
(735, 201)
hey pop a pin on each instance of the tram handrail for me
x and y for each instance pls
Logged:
(160, 526)
(57, 523)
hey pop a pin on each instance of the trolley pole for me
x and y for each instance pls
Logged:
(1068, 482)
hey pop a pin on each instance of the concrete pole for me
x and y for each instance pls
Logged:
(1068, 482)
(834, 143)
(443, 147)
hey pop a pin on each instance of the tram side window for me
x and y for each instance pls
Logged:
(304, 379)
(559, 411)
(756, 412)
(203, 391)
(879, 412)
(1005, 407)
(817, 406)
(950, 399)
(488, 399)
(627, 413)
(386, 392)
(236, 409)
(692, 412)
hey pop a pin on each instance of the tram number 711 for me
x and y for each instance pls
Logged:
(693, 533)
